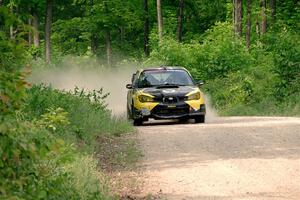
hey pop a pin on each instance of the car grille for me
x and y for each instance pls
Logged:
(165, 111)
(170, 99)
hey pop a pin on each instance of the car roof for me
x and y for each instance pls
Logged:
(163, 68)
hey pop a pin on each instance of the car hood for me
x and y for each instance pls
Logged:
(172, 91)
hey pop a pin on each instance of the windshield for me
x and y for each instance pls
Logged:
(164, 78)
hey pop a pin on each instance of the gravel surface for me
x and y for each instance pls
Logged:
(226, 158)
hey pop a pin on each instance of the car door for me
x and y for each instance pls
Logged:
(130, 92)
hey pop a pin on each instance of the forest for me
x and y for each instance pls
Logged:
(246, 51)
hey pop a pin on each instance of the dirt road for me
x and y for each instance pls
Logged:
(228, 158)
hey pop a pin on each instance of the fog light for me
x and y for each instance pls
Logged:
(145, 112)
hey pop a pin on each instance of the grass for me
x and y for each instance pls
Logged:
(86, 112)
(266, 107)
(118, 153)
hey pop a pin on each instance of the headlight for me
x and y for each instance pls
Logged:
(195, 96)
(144, 98)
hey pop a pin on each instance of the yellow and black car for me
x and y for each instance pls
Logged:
(164, 93)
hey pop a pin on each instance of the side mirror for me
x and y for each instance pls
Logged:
(129, 86)
(200, 83)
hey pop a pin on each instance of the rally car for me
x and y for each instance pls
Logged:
(164, 93)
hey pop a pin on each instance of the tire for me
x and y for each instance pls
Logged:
(200, 119)
(137, 122)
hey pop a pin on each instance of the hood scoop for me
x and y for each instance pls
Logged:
(167, 86)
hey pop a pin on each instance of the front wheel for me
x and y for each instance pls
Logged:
(200, 119)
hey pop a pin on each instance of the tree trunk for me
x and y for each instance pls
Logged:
(263, 17)
(159, 20)
(233, 15)
(180, 20)
(48, 23)
(11, 28)
(36, 34)
(122, 33)
(11, 32)
(94, 39)
(30, 33)
(273, 10)
(238, 16)
(257, 29)
(248, 29)
(146, 29)
(94, 43)
(108, 48)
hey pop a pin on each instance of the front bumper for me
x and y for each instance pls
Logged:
(170, 111)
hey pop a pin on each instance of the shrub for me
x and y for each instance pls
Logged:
(24, 150)
(34, 164)
(87, 113)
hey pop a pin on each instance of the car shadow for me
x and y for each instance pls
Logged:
(166, 122)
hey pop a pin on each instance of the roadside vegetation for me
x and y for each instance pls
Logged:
(261, 80)
(48, 137)
(247, 52)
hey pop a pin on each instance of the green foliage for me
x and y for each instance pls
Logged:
(288, 13)
(23, 150)
(86, 121)
(12, 92)
(37, 160)
(37, 155)
(285, 48)
(241, 81)
(90, 183)
(72, 35)
(53, 118)
(36, 165)
(12, 52)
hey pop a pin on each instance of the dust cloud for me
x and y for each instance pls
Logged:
(211, 113)
(72, 74)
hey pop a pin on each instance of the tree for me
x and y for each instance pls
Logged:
(48, 23)
(30, 33)
(146, 29)
(263, 16)
(159, 20)
(107, 39)
(35, 24)
(273, 10)
(12, 31)
(248, 24)
(237, 17)
(94, 39)
(180, 20)
(108, 47)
